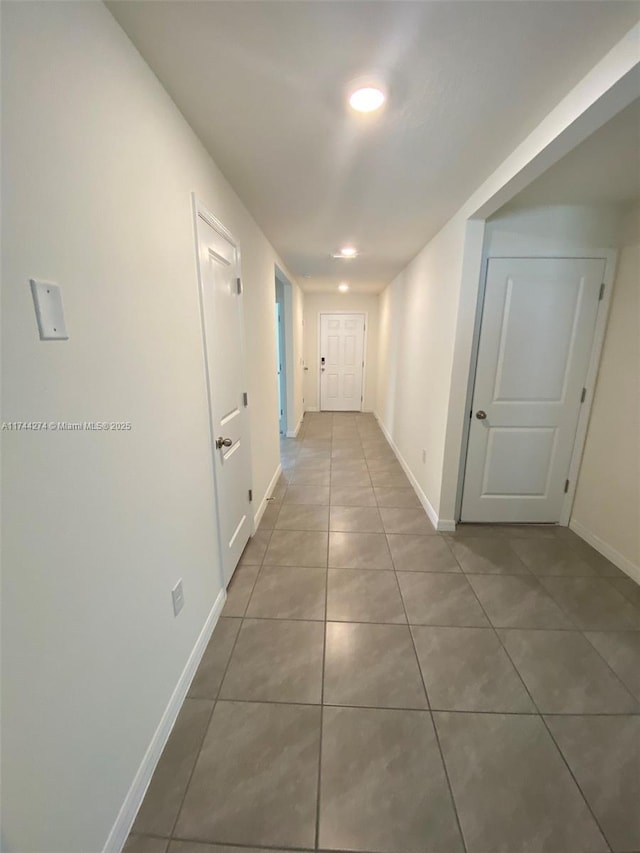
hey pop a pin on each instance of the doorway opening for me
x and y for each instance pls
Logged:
(284, 348)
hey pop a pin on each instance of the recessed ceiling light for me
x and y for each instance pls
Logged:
(348, 252)
(367, 99)
(343, 287)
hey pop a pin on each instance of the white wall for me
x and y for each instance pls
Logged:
(607, 502)
(428, 312)
(98, 167)
(314, 305)
(516, 231)
(417, 315)
(417, 319)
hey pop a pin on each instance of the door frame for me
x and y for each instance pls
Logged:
(282, 366)
(364, 314)
(290, 348)
(610, 257)
(200, 211)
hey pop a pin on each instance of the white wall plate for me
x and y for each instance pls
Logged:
(47, 300)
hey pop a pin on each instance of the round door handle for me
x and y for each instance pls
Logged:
(223, 442)
(481, 416)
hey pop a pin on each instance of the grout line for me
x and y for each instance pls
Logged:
(544, 722)
(620, 592)
(608, 665)
(433, 722)
(577, 784)
(206, 729)
(195, 762)
(549, 732)
(324, 658)
(484, 713)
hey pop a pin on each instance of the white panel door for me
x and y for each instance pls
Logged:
(341, 362)
(537, 329)
(223, 333)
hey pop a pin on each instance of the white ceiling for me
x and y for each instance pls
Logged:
(263, 85)
(604, 169)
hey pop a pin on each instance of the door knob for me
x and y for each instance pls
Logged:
(481, 416)
(223, 442)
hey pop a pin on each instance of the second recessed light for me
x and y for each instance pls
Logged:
(367, 99)
(343, 287)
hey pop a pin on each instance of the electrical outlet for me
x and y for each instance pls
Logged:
(424, 457)
(177, 596)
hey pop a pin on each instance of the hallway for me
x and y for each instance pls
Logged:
(375, 686)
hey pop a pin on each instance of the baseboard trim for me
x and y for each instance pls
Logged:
(127, 814)
(606, 550)
(312, 409)
(265, 500)
(444, 525)
(293, 433)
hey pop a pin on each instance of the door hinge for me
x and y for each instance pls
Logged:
(566, 486)
(363, 363)
(245, 398)
(583, 396)
(239, 285)
(250, 495)
(601, 294)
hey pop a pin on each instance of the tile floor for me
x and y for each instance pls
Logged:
(373, 685)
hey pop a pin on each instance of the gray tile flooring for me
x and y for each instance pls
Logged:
(373, 685)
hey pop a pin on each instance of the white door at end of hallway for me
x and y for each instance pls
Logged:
(341, 362)
(221, 303)
(536, 338)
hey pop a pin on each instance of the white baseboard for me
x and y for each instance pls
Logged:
(265, 500)
(606, 550)
(311, 409)
(127, 814)
(442, 524)
(292, 433)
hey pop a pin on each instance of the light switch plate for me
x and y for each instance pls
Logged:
(177, 596)
(47, 300)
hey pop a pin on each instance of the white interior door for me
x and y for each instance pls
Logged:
(537, 330)
(341, 362)
(221, 304)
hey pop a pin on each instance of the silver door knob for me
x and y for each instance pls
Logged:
(223, 442)
(481, 416)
